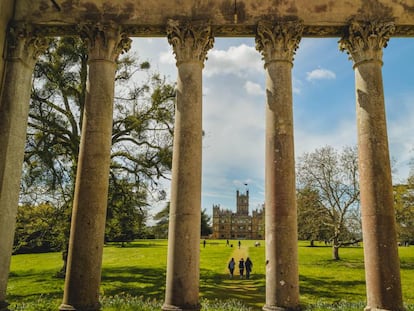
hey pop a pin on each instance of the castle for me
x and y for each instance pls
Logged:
(238, 225)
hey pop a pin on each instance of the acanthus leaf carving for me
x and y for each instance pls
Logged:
(278, 41)
(105, 41)
(25, 43)
(364, 41)
(190, 41)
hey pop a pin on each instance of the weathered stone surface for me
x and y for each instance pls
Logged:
(83, 273)
(364, 43)
(23, 48)
(320, 17)
(190, 44)
(278, 43)
(191, 41)
(6, 13)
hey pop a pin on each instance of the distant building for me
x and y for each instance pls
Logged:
(238, 225)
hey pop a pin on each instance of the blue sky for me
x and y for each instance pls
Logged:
(323, 105)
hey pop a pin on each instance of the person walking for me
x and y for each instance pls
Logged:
(231, 266)
(241, 267)
(249, 265)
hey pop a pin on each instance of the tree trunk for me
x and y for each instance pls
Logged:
(335, 249)
(62, 272)
(312, 243)
(335, 252)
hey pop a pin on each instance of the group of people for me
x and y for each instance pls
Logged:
(243, 265)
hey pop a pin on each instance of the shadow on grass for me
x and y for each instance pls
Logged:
(327, 288)
(135, 244)
(150, 283)
(136, 281)
(34, 286)
(408, 265)
(219, 286)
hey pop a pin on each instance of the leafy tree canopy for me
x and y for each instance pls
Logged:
(141, 136)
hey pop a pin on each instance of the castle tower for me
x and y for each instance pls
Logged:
(243, 203)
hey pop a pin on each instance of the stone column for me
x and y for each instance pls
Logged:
(23, 47)
(83, 274)
(190, 43)
(278, 43)
(364, 42)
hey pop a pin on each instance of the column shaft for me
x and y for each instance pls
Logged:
(278, 44)
(190, 45)
(282, 278)
(83, 273)
(185, 204)
(382, 270)
(14, 109)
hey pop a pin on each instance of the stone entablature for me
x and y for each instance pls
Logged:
(321, 18)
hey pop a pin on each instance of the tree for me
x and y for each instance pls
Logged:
(333, 176)
(160, 229)
(206, 228)
(141, 137)
(127, 215)
(404, 211)
(37, 229)
(312, 216)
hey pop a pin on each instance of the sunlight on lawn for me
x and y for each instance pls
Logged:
(138, 270)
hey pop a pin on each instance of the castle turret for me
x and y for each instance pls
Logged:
(243, 203)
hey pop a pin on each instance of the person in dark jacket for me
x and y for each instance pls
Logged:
(241, 267)
(249, 265)
(231, 266)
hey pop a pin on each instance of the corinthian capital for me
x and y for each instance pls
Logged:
(25, 44)
(364, 41)
(190, 41)
(278, 42)
(105, 41)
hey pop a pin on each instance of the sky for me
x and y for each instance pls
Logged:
(323, 107)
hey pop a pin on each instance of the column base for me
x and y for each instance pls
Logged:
(167, 307)
(276, 308)
(3, 306)
(65, 307)
(379, 309)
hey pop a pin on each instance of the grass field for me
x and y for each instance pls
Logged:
(137, 273)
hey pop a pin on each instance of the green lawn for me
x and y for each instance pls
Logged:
(138, 270)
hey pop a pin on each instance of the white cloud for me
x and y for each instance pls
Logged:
(167, 57)
(320, 74)
(253, 88)
(236, 60)
(233, 147)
